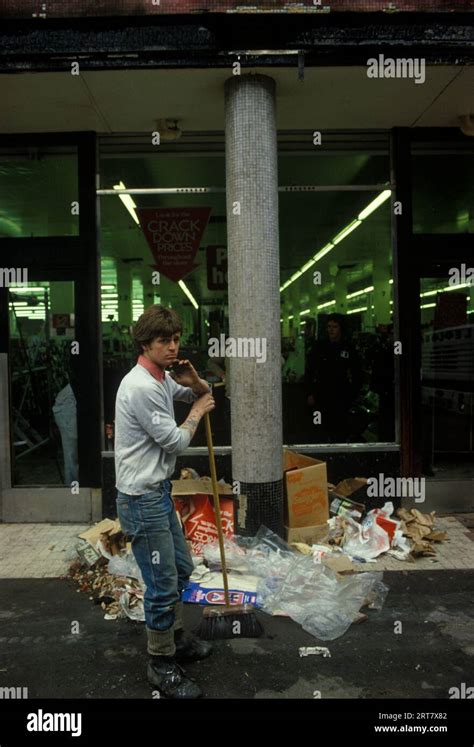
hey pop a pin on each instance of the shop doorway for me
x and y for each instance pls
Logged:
(51, 430)
(446, 348)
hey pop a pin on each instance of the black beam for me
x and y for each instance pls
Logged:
(407, 312)
(88, 322)
(209, 40)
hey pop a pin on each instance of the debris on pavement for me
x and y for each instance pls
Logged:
(314, 650)
(420, 529)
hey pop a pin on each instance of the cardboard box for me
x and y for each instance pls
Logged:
(306, 491)
(310, 535)
(195, 505)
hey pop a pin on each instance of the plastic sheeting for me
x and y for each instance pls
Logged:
(313, 595)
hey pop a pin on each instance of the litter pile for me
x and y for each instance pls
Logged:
(421, 531)
(403, 534)
(105, 568)
(320, 589)
(320, 577)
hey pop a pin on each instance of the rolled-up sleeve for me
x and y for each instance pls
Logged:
(182, 393)
(149, 407)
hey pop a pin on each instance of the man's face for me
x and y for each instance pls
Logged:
(334, 331)
(163, 350)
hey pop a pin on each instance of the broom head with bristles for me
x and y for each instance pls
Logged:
(236, 621)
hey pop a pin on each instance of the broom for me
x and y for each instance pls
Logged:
(229, 621)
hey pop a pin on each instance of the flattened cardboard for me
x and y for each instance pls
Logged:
(350, 485)
(92, 535)
(310, 535)
(203, 486)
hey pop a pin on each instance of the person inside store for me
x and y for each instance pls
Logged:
(147, 442)
(333, 379)
(65, 416)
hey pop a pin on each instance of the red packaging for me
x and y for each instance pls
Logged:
(387, 524)
(196, 510)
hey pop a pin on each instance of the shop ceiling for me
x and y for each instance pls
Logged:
(118, 101)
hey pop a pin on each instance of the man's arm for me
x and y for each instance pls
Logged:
(201, 387)
(150, 410)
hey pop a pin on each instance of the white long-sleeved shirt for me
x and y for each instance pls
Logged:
(147, 439)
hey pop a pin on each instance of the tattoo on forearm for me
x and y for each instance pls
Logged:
(191, 423)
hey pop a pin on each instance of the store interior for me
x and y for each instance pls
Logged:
(335, 257)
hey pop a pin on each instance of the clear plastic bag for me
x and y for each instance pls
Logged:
(125, 565)
(315, 597)
(235, 556)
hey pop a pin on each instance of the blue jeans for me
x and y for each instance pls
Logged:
(160, 550)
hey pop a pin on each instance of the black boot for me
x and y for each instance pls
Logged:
(164, 671)
(171, 680)
(188, 646)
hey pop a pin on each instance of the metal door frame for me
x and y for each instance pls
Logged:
(61, 258)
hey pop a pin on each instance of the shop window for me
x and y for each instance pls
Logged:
(447, 373)
(337, 310)
(443, 188)
(167, 248)
(38, 192)
(43, 385)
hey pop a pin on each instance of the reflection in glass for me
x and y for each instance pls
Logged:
(43, 397)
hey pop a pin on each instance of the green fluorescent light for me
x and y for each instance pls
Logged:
(323, 251)
(427, 305)
(379, 200)
(188, 293)
(107, 287)
(281, 320)
(306, 311)
(355, 311)
(128, 202)
(325, 305)
(346, 231)
(369, 289)
(446, 289)
(17, 304)
(22, 289)
(308, 264)
(291, 316)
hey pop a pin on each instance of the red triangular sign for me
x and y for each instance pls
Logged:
(174, 236)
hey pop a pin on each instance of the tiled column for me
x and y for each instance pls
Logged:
(254, 296)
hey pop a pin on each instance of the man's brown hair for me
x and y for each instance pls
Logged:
(156, 321)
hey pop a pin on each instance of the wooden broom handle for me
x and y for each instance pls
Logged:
(217, 506)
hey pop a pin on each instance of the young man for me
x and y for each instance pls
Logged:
(147, 442)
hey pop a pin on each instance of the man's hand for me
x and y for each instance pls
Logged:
(204, 404)
(186, 374)
(198, 410)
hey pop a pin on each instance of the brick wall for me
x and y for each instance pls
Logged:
(75, 8)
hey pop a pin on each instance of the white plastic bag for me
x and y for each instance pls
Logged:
(366, 541)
